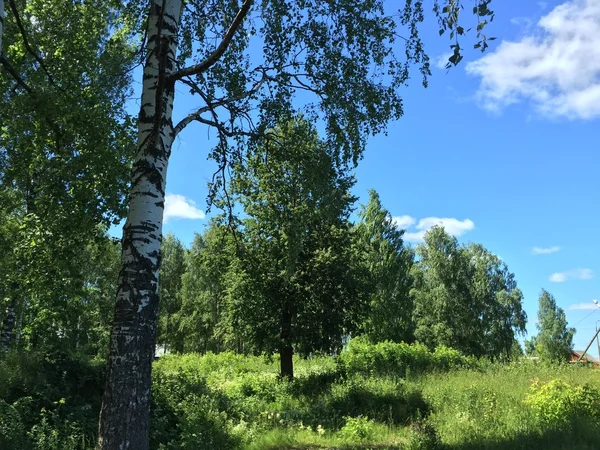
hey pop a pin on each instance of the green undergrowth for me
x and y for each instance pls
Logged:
(519, 405)
(385, 396)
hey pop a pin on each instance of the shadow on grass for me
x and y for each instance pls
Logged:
(314, 384)
(331, 408)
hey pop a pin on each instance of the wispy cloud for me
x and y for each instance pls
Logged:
(545, 250)
(454, 227)
(583, 306)
(180, 207)
(403, 222)
(573, 274)
(524, 22)
(555, 66)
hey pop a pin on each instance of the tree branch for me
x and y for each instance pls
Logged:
(211, 106)
(21, 28)
(214, 57)
(10, 69)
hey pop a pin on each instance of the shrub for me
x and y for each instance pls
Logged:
(357, 429)
(54, 432)
(558, 404)
(385, 400)
(398, 359)
(187, 414)
(12, 432)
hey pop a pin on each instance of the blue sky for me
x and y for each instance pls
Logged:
(503, 148)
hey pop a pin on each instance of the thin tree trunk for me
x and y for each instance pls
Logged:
(285, 349)
(8, 326)
(125, 414)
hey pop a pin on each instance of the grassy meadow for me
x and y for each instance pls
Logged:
(385, 396)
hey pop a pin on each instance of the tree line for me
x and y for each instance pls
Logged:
(291, 273)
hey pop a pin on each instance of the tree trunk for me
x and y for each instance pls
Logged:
(286, 362)
(285, 348)
(8, 326)
(125, 414)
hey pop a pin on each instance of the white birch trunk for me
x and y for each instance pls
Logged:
(125, 413)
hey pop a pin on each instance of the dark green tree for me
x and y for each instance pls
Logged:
(499, 301)
(100, 265)
(65, 143)
(443, 313)
(388, 263)
(293, 289)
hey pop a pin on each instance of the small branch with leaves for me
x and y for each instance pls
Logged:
(221, 48)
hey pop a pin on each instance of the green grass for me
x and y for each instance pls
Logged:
(229, 402)
(460, 408)
(487, 410)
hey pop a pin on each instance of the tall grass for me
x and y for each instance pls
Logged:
(387, 396)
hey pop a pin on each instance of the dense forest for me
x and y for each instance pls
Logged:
(298, 317)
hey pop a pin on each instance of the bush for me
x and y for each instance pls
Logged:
(398, 359)
(55, 432)
(558, 404)
(57, 396)
(385, 400)
(357, 429)
(187, 414)
(12, 431)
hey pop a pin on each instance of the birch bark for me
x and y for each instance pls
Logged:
(125, 413)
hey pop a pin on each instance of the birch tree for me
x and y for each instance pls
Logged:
(465, 298)
(342, 54)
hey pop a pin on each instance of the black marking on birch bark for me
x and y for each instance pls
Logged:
(145, 170)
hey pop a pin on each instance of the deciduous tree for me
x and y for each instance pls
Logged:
(297, 250)
(172, 270)
(465, 298)
(554, 340)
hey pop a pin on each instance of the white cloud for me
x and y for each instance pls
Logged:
(583, 306)
(403, 222)
(441, 60)
(555, 67)
(180, 207)
(453, 226)
(545, 250)
(573, 274)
